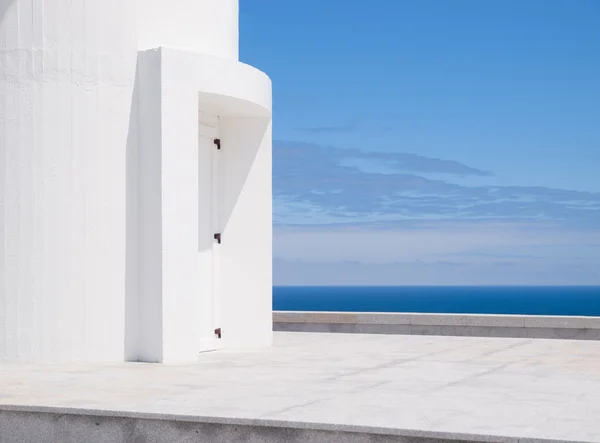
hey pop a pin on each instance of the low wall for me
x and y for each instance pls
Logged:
(54, 426)
(476, 325)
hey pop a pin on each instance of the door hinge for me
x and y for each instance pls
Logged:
(217, 142)
(218, 332)
(217, 237)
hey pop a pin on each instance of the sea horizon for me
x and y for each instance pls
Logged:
(567, 300)
(432, 286)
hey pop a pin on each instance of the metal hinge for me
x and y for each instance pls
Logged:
(218, 332)
(217, 142)
(217, 237)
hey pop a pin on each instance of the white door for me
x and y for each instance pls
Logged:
(209, 229)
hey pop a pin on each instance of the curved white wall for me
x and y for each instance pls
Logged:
(66, 82)
(176, 310)
(203, 26)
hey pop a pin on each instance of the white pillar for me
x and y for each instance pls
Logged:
(66, 80)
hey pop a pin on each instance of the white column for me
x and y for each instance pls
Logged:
(204, 26)
(66, 80)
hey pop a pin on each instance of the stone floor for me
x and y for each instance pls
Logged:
(485, 386)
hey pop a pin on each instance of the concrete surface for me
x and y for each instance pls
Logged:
(319, 387)
(470, 325)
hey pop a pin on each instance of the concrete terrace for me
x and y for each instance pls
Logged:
(319, 387)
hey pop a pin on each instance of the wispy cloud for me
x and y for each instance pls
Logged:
(427, 241)
(328, 129)
(316, 184)
(436, 253)
(434, 273)
(344, 216)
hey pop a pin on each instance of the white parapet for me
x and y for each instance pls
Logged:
(112, 186)
(66, 80)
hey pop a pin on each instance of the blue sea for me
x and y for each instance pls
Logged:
(527, 300)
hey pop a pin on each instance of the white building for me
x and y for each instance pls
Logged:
(130, 137)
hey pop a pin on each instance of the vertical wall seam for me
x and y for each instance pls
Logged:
(18, 187)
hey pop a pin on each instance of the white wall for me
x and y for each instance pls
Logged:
(246, 207)
(173, 248)
(203, 26)
(101, 256)
(66, 81)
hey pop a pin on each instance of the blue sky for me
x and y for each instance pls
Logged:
(432, 142)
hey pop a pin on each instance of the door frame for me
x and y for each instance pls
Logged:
(208, 127)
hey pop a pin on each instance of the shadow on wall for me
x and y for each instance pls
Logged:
(132, 319)
(4, 6)
(244, 137)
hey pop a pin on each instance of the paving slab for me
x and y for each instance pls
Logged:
(400, 386)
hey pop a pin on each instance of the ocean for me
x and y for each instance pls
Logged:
(524, 300)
